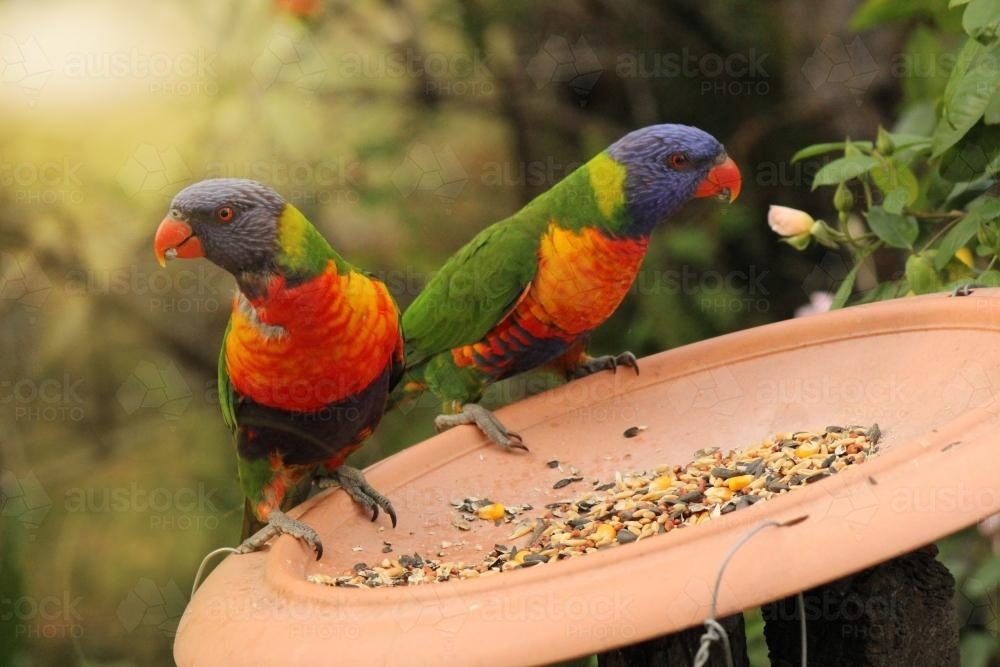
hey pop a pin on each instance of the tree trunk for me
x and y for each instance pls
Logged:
(900, 612)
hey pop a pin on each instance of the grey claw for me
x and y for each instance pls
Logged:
(628, 359)
(473, 413)
(279, 523)
(965, 290)
(353, 481)
(605, 363)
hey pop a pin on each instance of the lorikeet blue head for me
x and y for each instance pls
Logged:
(666, 166)
(232, 222)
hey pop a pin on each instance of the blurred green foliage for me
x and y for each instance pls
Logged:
(927, 188)
(400, 128)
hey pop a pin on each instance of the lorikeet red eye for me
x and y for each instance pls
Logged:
(679, 161)
(225, 214)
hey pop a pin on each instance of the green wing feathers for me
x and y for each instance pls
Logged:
(227, 396)
(474, 290)
(480, 284)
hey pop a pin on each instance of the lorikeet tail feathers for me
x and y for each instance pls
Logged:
(251, 524)
(293, 496)
(407, 391)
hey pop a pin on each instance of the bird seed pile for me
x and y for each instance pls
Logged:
(629, 508)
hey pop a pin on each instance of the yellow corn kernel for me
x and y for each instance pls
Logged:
(720, 493)
(807, 449)
(739, 482)
(493, 512)
(519, 556)
(604, 533)
(661, 483)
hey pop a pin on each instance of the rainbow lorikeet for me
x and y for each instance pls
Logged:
(529, 290)
(312, 349)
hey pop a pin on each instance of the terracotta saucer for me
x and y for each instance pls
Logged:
(926, 369)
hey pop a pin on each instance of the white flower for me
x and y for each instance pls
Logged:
(819, 302)
(788, 221)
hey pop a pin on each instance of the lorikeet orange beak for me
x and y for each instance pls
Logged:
(723, 179)
(175, 238)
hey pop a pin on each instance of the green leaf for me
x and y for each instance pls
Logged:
(898, 231)
(902, 140)
(989, 278)
(897, 183)
(922, 65)
(878, 12)
(895, 201)
(819, 149)
(988, 216)
(956, 238)
(843, 169)
(693, 245)
(908, 181)
(970, 49)
(977, 649)
(919, 118)
(921, 275)
(882, 292)
(981, 20)
(992, 114)
(957, 3)
(845, 289)
(970, 87)
(988, 210)
(984, 580)
(799, 241)
(883, 142)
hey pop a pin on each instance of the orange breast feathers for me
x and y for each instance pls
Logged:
(304, 347)
(582, 277)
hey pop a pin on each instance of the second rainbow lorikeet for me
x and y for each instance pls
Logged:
(529, 290)
(312, 349)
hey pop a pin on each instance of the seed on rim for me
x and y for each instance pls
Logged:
(493, 512)
(739, 482)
